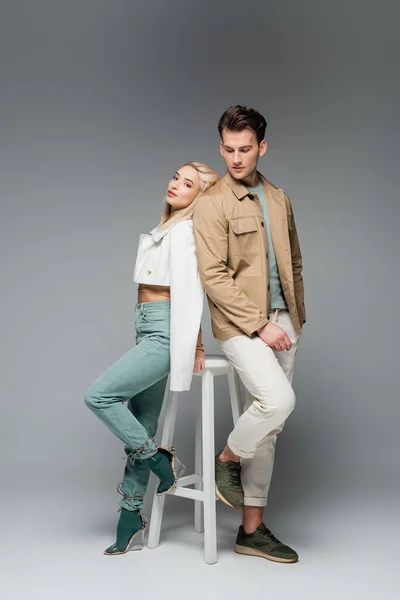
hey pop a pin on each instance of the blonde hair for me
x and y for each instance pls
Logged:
(207, 177)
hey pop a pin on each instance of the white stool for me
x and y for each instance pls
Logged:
(204, 476)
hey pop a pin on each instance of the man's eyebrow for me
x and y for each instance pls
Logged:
(240, 148)
(186, 178)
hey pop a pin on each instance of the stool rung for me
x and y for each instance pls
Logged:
(189, 480)
(184, 492)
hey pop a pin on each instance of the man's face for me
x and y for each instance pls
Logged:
(241, 151)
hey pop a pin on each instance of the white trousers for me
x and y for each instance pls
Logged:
(267, 376)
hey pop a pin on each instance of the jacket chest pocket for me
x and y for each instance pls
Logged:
(243, 236)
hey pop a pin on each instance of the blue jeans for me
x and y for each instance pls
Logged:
(139, 379)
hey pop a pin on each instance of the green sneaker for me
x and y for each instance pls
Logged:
(228, 485)
(262, 542)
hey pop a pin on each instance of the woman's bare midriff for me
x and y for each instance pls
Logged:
(152, 293)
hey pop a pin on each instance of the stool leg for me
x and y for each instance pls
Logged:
(170, 420)
(234, 394)
(210, 525)
(159, 501)
(198, 469)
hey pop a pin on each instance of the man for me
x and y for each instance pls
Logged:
(250, 265)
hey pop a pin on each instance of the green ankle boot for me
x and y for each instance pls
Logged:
(163, 465)
(129, 524)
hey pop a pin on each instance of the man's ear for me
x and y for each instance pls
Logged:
(263, 148)
(221, 147)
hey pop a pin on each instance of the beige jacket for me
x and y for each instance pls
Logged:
(232, 254)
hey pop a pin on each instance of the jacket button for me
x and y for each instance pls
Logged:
(149, 272)
(262, 223)
(267, 255)
(269, 286)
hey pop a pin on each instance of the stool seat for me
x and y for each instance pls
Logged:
(216, 364)
(204, 477)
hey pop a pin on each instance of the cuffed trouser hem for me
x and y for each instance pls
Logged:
(238, 452)
(135, 505)
(147, 450)
(152, 451)
(255, 501)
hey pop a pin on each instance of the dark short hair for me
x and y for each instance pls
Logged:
(237, 118)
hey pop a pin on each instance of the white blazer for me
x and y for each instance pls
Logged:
(168, 257)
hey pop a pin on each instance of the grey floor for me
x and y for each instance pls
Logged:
(53, 536)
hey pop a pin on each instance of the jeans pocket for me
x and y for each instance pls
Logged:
(155, 317)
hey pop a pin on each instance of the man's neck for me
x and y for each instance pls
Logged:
(252, 180)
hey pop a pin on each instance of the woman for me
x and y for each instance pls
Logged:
(167, 322)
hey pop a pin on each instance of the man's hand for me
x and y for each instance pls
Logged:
(275, 337)
(199, 364)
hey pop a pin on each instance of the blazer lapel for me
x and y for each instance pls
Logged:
(158, 235)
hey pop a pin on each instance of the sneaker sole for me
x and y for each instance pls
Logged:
(224, 500)
(253, 552)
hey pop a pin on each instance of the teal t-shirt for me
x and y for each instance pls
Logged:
(277, 299)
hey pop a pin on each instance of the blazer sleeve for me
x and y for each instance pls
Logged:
(186, 305)
(200, 345)
(297, 265)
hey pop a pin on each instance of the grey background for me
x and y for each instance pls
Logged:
(100, 101)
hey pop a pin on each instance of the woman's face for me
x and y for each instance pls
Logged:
(183, 188)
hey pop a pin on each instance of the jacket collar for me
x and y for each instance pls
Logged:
(237, 188)
(241, 191)
(271, 190)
